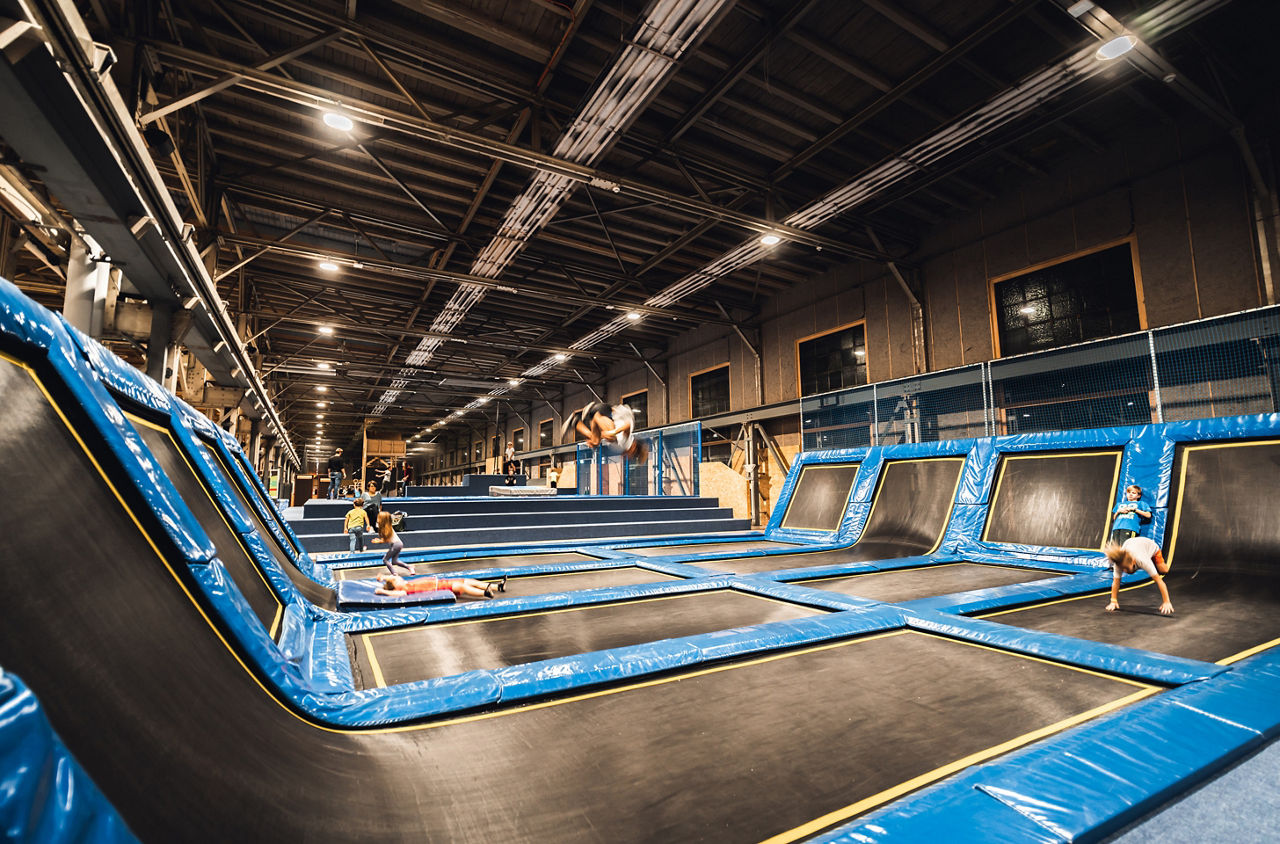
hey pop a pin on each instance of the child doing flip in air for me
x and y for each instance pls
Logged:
(1137, 553)
(1128, 514)
(463, 587)
(600, 423)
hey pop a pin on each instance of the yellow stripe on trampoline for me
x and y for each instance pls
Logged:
(278, 616)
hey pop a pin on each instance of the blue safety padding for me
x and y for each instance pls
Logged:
(1246, 695)
(994, 597)
(45, 796)
(328, 662)
(362, 594)
(955, 815)
(672, 568)
(804, 594)
(1093, 781)
(1100, 656)
(511, 571)
(636, 661)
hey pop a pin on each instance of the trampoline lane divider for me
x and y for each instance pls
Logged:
(802, 594)
(373, 566)
(1094, 657)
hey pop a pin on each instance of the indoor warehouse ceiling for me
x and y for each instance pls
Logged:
(455, 202)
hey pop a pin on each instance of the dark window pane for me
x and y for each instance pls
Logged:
(1080, 299)
(710, 392)
(833, 361)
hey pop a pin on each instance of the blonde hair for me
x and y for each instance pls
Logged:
(385, 531)
(1117, 555)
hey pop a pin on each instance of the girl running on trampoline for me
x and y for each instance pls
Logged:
(463, 587)
(1137, 553)
(599, 423)
(392, 558)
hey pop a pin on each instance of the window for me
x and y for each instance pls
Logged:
(639, 404)
(709, 392)
(1084, 298)
(479, 450)
(544, 433)
(517, 439)
(495, 447)
(832, 361)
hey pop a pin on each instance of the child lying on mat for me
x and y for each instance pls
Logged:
(1137, 553)
(463, 587)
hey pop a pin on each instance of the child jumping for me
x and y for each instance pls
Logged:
(1128, 514)
(1137, 553)
(463, 587)
(392, 558)
(356, 524)
(600, 423)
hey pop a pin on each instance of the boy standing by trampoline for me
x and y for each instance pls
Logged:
(1128, 515)
(1138, 552)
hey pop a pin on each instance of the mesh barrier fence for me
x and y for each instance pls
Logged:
(1224, 366)
(667, 464)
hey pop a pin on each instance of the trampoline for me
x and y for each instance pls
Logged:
(709, 547)
(435, 650)
(926, 581)
(908, 518)
(1224, 556)
(1060, 500)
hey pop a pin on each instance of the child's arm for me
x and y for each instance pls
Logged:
(1115, 594)
(1166, 608)
(1146, 514)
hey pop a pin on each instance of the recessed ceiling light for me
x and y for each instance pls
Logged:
(321, 403)
(319, 415)
(338, 121)
(770, 239)
(561, 356)
(324, 365)
(514, 382)
(1026, 310)
(1115, 48)
(326, 329)
(328, 266)
(322, 389)
(633, 315)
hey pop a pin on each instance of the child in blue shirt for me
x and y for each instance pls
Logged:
(1128, 516)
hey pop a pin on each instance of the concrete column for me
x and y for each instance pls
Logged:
(255, 443)
(158, 344)
(86, 295)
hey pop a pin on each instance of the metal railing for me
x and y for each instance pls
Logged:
(1222, 366)
(670, 467)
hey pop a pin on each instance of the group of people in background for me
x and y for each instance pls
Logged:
(386, 478)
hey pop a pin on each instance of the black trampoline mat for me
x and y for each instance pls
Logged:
(1054, 500)
(437, 650)
(780, 746)
(467, 563)
(708, 547)
(854, 554)
(927, 581)
(1216, 616)
(821, 496)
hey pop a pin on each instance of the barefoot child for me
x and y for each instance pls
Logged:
(1137, 553)
(387, 534)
